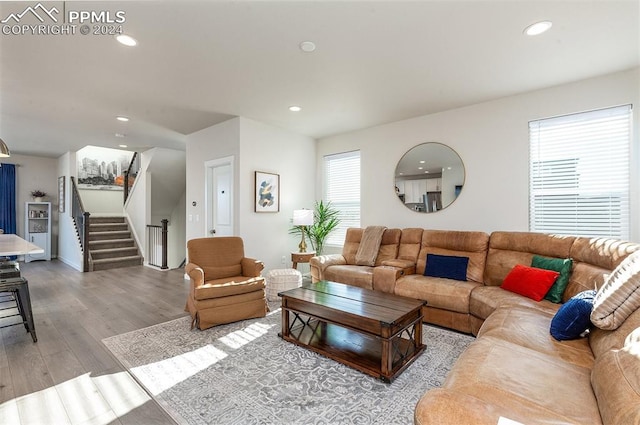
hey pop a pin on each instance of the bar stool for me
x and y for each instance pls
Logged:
(15, 289)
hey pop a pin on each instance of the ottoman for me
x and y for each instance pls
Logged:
(279, 280)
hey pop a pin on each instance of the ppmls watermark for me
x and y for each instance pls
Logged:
(57, 20)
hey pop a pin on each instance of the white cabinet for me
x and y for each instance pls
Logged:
(413, 191)
(37, 228)
(434, 185)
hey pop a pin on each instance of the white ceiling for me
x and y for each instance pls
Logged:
(199, 63)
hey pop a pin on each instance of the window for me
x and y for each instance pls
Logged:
(579, 173)
(342, 189)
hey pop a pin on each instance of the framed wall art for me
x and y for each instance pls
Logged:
(61, 194)
(267, 195)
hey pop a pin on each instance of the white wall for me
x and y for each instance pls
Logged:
(255, 147)
(215, 142)
(34, 172)
(292, 156)
(492, 140)
(68, 245)
(136, 209)
(102, 202)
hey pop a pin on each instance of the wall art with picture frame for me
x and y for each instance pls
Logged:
(267, 192)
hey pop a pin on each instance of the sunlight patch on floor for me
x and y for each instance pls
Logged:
(82, 400)
(244, 336)
(121, 391)
(164, 374)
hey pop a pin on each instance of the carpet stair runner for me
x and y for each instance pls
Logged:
(111, 244)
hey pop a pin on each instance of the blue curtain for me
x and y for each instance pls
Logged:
(8, 198)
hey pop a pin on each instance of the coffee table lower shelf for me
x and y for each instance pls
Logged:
(366, 353)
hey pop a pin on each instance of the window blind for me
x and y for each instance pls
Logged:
(579, 173)
(342, 189)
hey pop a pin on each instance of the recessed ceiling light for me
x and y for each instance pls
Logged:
(307, 46)
(123, 146)
(538, 28)
(120, 135)
(420, 168)
(127, 40)
(426, 172)
(422, 162)
(295, 108)
(122, 118)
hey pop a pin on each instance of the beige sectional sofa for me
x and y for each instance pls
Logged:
(515, 371)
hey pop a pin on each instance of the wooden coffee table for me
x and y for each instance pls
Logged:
(377, 333)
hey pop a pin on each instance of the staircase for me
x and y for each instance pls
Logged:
(111, 245)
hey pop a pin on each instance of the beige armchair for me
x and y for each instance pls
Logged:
(226, 286)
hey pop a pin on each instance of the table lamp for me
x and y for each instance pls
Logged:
(302, 218)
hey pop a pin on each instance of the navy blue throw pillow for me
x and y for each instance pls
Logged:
(448, 266)
(573, 318)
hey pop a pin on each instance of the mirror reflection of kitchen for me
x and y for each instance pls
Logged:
(429, 177)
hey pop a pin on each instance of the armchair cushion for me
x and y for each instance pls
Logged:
(226, 287)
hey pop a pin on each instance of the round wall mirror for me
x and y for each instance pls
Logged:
(429, 177)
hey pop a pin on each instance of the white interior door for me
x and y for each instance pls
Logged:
(220, 197)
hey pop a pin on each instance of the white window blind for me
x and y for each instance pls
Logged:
(342, 189)
(579, 173)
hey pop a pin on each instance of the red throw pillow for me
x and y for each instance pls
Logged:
(529, 281)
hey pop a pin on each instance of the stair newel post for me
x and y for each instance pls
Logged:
(85, 241)
(164, 243)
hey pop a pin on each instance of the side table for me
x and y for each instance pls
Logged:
(301, 257)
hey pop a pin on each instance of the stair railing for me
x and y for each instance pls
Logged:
(134, 167)
(157, 242)
(81, 221)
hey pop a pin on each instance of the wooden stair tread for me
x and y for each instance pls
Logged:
(117, 259)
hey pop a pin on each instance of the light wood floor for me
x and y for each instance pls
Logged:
(68, 376)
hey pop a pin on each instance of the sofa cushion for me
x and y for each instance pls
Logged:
(458, 243)
(486, 299)
(410, 244)
(361, 276)
(572, 319)
(619, 296)
(506, 249)
(602, 340)
(560, 265)
(529, 281)
(529, 327)
(538, 387)
(439, 292)
(616, 383)
(447, 266)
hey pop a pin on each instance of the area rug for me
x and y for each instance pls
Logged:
(243, 373)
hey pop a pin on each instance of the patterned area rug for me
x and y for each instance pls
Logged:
(243, 373)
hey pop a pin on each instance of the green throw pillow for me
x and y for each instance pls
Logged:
(560, 265)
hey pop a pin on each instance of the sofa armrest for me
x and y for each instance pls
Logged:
(251, 267)
(385, 277)
(443, 407)
(319, 263)
(407, 266)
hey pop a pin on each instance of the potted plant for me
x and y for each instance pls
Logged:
(325, 220)
(38, 195)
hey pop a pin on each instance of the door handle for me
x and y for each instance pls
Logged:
(212, 231)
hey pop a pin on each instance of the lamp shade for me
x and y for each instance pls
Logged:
(302, 217)
(4, 150)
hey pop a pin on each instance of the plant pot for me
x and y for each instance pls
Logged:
(37, 199)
